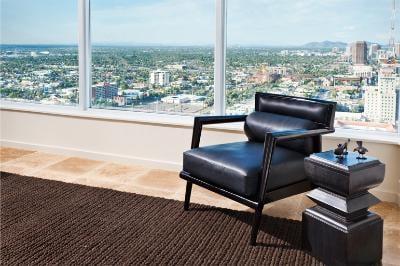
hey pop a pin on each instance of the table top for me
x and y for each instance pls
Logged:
(349, 162)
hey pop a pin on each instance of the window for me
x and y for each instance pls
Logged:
(162, 55)
(333, 50)
(39, 55)
(154, 56)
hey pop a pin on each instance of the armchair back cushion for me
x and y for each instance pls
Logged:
(320, 112)
(258, 123)
(279, 113)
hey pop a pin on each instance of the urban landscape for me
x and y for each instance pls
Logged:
(362, 77)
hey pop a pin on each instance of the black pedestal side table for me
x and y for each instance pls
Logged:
(340, 230)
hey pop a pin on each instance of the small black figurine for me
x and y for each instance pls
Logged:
(361, 150)
(341, 150)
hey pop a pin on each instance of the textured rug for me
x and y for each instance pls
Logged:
(51, 222)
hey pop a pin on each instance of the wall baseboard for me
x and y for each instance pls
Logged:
(388, 196)
(102, 156)
(383, 195)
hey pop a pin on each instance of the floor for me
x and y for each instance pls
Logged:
(167, 184)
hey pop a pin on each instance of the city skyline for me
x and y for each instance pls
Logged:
(180, 80)
(254, 23)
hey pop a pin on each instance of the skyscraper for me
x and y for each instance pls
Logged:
(348, 49)
(397, 49)
(380, 101)
(359, 53)
(373, 50)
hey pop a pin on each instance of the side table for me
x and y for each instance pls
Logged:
(340, 230)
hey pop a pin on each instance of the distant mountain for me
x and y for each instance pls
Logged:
(325, 44)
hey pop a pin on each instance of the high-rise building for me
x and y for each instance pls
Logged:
(359, 53)
(373, 50)
(160, 78)
(347, 53)
(397, 49)
(348, 49)
(380, 101)
(104, 90)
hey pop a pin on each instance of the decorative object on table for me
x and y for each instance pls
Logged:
(341, 150)
(269, 165)
(340, 230)
(361, 150)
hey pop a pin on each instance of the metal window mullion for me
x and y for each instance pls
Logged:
(220, 57)
(84, 51)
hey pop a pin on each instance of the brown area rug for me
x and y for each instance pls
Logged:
(51, 222)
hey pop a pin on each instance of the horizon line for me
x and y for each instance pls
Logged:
(185, 45)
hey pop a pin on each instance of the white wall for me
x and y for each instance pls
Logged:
(155, 145)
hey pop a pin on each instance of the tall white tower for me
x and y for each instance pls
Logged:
(392, 25)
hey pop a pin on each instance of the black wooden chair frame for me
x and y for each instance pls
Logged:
(263, 196)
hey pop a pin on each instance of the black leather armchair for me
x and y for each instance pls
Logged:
(281, 132)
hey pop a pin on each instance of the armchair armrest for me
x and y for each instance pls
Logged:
(298, 134)
(199, 121)
(271, 138)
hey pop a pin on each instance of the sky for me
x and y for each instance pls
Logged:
(192, 22)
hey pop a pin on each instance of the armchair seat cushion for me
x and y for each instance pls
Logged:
(237, 166)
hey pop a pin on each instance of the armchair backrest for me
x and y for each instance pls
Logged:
(318, 111)
(275, 112)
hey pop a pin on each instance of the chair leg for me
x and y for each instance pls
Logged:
(256, 224)
(187, 195)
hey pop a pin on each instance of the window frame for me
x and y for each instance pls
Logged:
(85, 54)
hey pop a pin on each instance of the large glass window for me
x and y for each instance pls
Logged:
(38, 51)
(334, 50)
(158, 55)
(154, 56)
